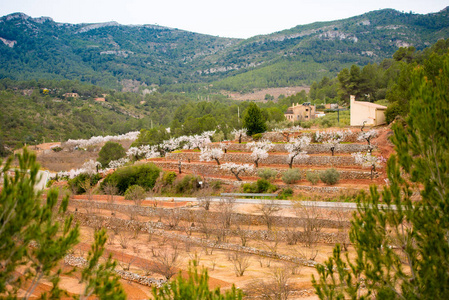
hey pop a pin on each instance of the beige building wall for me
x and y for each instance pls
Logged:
(300, 112)
(366, 112)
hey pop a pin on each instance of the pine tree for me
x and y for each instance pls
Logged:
(196, 286)
(253, 120)
(402, 250)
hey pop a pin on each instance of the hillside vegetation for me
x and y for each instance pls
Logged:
(110, 55)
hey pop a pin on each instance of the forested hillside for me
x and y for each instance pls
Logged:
(113, 55)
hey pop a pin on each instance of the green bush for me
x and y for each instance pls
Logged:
(216, 184)
(260, 186)
(394, 110)
(188, 184)
(285, 193)
(330, 176)
(257, 136)
(313, 177)
(267, 173)
(144, 175)
(291, 176)
(76, 183)
(168, 178)
(135, 192)
(110, 151)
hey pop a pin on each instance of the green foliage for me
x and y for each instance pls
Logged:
(26, 219)
(260, 186)
(188, 184)
(144, 175)
(168, 178)
(330, 176)
(253, 120)
(216, 184)
(77, 184)
(109, 152)
(267, 173)
(291, 176)
(257, 136)
(134, 192)
(403, 253)
(285, 193)
(100, 278)
(196, 286)
(313, 177)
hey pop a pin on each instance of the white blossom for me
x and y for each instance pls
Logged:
(259, 150)
(296, 148)
(239, 133)
(209, 154)
(83, 143)
(114, 164)
(236, 169)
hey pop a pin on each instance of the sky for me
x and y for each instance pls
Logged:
(225, 18)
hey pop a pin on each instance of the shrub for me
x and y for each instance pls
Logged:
(76, 184)
(330, 176)
(188, 184)
(260, 186)
(291, 176)
(285, 193)
(394, 110)
(216, 184)
(168, 178)
(56, 149)
(135, 192)
(267, 173)
(110, 151)
(312, 177)
(144, 175)
(257, 136)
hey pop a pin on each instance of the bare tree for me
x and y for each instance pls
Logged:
(240, 262)
(135, 193)
(311, 220)
(342, 215)
(275, 288)
(173, 217)
(204, 201)
(205, 227)
(268, 209)
(243, 234)
(110, 189)
(166, 262)
(226, 209)
(125, 261)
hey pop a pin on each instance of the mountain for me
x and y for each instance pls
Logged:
(113, 55)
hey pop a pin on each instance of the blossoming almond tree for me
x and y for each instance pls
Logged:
(236, 169)
(369, 160)
(330, 138)
(209, 154)
(239, 134)
(260, 150)
(367, 136)
(296, 148)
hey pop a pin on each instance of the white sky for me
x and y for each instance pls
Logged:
(225, 18)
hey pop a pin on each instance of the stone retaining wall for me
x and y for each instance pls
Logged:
(310, 149)
(80, 262)
(92, 221)
(273, 159)
(278, 137)
(214, 170)
(197, 215)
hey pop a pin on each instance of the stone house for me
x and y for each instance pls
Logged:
(300, 112)
(366, 113)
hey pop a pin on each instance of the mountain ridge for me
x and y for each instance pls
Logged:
(108, 53)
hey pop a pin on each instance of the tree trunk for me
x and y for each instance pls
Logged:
(218, 162)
